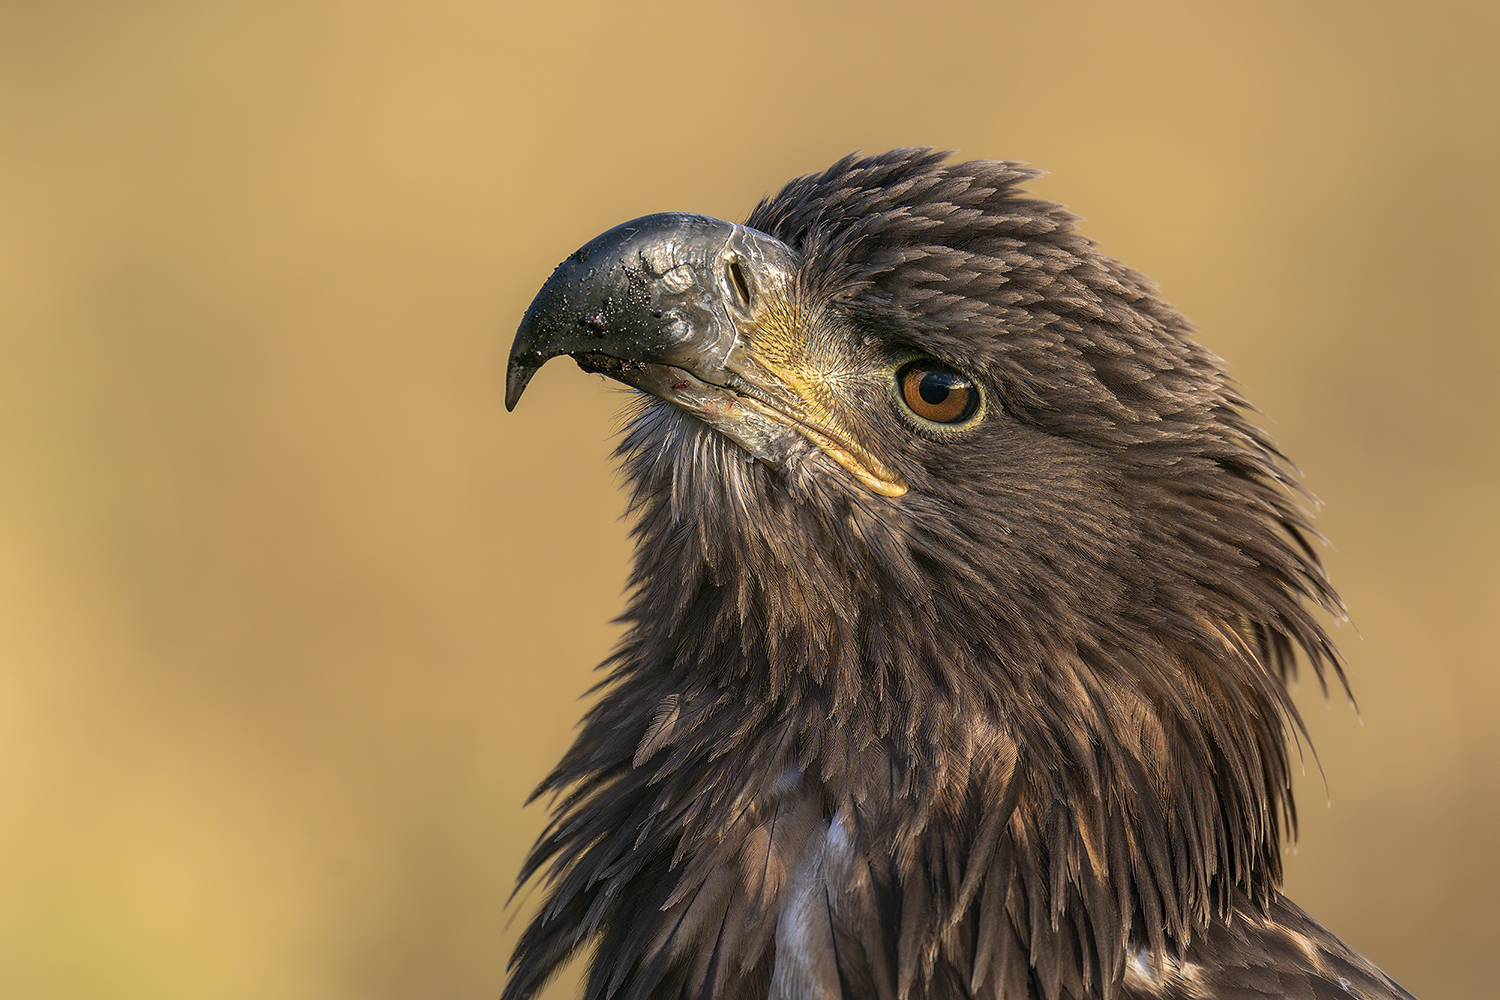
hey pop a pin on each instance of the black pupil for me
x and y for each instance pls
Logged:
(935, 387)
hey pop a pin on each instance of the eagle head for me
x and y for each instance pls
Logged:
(964, 597)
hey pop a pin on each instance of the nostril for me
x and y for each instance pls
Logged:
(737, 283)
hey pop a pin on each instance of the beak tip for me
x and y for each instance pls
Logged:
(515, 382)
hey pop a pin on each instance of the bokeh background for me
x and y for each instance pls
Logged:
(295, 614)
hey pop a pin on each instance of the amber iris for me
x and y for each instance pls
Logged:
(936, 393)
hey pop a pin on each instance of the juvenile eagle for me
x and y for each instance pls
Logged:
(964, 597)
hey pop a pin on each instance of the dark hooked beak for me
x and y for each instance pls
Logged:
(669, 289)
(704, 315)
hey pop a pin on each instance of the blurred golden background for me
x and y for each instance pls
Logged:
(296, 614)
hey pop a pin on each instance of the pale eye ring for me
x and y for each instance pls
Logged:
(936, 392)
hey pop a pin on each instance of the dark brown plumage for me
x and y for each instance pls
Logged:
(964, 596)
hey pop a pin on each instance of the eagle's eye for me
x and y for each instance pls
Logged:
(936, 393)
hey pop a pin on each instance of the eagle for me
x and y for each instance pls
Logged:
(965, 595)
